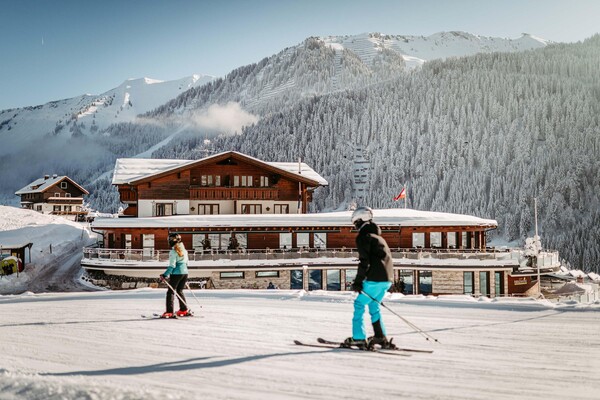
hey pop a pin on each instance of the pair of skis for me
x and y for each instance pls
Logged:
(159, 316)
(328, 344)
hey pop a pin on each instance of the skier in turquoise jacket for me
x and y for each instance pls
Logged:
(177, 273)
(373, 279)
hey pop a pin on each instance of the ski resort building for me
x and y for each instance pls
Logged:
(58, 195)
(245, 223)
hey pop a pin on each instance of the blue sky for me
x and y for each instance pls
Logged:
(63, 48)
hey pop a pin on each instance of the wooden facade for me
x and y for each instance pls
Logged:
(229, 177)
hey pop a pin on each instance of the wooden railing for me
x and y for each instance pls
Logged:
(233, 193)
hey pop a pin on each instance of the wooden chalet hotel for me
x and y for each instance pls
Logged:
(244, 222)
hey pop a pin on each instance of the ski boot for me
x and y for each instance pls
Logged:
(168, 315)
(358, 343)
(184, 313)
(379, 338)
(382, 342)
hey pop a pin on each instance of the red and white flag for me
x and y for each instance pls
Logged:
(401, 195)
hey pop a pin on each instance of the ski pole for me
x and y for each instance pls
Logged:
(173, 290)
(426, 335)
(190, 289)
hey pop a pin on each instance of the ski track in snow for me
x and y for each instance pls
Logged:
(96, 346)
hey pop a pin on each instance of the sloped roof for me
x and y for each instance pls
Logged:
(137, 170)
(43, 184)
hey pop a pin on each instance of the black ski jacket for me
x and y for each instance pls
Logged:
(375, 258)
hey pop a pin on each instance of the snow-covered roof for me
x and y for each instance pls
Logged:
(43, 184)
(128, 170)
(385, 217)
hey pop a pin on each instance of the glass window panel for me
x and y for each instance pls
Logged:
(451, 240)
(197, 239)
(232, 275)
(350, 277)
(333, 279)
(499, 283)
(303, 239)
(128, 241)
(468, 283)
(425, 282)
(285, 240)
(406, 276)
(435, 239)
(315, 279)
(296, 279)
(484, 283)
(320, 240)
(215, 240)
(242, 239)
(267, 274)
(464, 239)
(418, 239)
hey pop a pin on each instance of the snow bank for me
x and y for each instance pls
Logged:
(57, 246)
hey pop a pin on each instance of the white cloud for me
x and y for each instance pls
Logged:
(229, 119)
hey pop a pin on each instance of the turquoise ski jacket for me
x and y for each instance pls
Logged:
(178, 265)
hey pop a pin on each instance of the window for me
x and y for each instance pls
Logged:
(63, 185)
(67, 194)
(320, 239)
(148, 244)
(206, 180)
(333, 279)
(251, 209)
(163, 209)
(464, 239)
(303, 239)
(498, 283)
(67, 208)
(406, 276)
(484, 283)
(425, 282)
(315, 279)
(38, 208)
(435, 239)
(451, 240)
(56, 208)
(56, 194)
(264, 181)
(198, 241)
(350, 277)
(242, 239)
(127, 241)
(468, 287)
(208, 209)
(297, 279)
(285, 240)
(418, 239)
(232, 275)
(236, 181)
(281, 208)
(267, 274)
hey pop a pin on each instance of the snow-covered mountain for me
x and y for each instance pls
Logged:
(416, 50)
(87, 113)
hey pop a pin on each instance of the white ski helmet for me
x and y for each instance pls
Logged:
(363, 214)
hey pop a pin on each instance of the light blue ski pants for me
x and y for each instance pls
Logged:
(376, 290)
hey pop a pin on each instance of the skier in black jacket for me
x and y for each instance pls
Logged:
(373, 279)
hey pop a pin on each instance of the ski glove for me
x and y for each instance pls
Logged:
(357, 286)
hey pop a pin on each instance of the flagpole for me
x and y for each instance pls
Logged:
(405, 196)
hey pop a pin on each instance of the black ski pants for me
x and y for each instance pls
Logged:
(177, 282)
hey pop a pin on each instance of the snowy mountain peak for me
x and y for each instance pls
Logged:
(418, 49)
